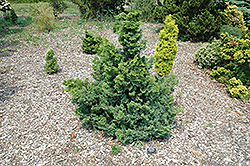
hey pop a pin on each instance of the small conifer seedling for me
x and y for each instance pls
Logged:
(51, 65)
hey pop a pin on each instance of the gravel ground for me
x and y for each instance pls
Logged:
(38, 125)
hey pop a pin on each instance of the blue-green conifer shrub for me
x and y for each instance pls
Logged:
(209, 55)
(232, 31)
(125, 101)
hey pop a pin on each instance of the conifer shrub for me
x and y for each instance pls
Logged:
(58, 6)
(51, 65)
(236, 89)
(235, 17)
(13, 16)
(235, 57)
(166, 48)
(42, 16)
(234, 62)
(221, 74)
(209, 55)
(90, 9)
(244, 6)
(146, 7)
(125, 101)
(232, 31)
(196, 20)
(91, 42)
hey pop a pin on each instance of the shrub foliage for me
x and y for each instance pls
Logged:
(51, 65)
(58, 6)
(235, 17)
(166, 48)
(91, 42)
(125, 100)
(232, 31)
(234, 62)
(209, 55)
(196, 20)
(99, 8)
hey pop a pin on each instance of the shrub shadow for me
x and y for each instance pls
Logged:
(6, 92)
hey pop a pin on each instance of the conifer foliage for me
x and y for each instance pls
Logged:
(51, 65)
(166, 49)
(91, 42)
(196, 20)
(125, 100)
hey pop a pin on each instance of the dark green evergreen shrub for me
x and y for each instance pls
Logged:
(58, 6)
(91, 42)
(232, 31)
(166, 48)
(27, 1)
(13, 16)
(146, 7)
(196, 20)
(125, 100)
(99, 8)
(51, 65)
(209, 55)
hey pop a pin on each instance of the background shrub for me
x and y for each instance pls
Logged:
(58, 6)
(51, 65)
(244, 6)
(235, 57)
(5, 6)
(196, 20)
(209, 55)
(99, 8)
(27, 1)
(233, 32)
(146, 7)
(125, 100)
(235, 17)
(166, 48)
(42, 16)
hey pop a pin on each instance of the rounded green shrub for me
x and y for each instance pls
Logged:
(51, 65)
(166, 48)
(221, 74)
(236, 88)
(91, 42)
(232, 31)
(196, 20)
(209, 55)
(125, 100)
(235, 57)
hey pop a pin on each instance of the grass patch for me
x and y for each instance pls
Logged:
(23, 9)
